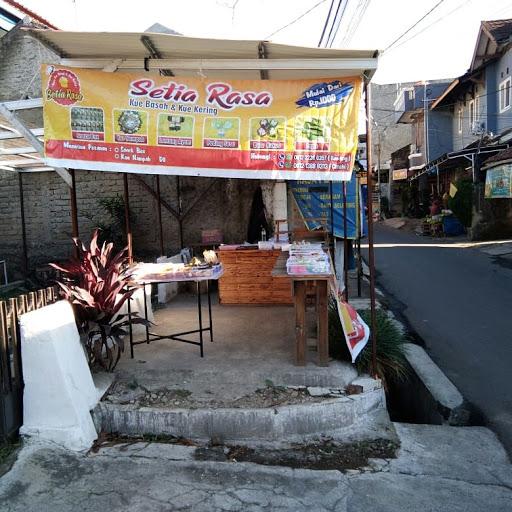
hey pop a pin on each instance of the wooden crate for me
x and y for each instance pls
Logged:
(248, 279)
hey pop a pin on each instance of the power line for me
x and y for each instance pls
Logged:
(442, 18)
(353, 26)
(296, 19)
(329, 39)
(413, 26)
(326, 23)
(332, 23)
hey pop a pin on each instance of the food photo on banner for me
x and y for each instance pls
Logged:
(263, 129)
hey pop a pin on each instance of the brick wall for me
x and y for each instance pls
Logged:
(225, 206)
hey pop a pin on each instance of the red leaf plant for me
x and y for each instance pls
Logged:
(96, 284)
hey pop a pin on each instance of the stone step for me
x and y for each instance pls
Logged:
(151, 476)
(282, 423)
(470, 454)
(337, 375)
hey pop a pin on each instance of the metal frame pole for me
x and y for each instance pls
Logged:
(23, 225)
(159, 211)
(345, 240)
(127, 223)
(74, 210)
(180, 214)
(371, 255)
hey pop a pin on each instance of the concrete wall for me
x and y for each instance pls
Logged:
(20, 59)
(392, 136)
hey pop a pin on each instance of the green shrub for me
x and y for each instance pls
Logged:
(391, 343)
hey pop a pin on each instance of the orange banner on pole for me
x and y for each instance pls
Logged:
(270, 129)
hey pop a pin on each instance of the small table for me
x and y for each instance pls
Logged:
(151, 336)
(299, 283)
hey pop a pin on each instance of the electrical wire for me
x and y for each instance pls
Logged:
(330, 40)
(442, 18)
(353, 26)
(413, 26)
(326, 23)
(296, 19)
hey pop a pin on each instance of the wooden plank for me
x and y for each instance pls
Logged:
(16, 344)
(300, 322)
(5, 365)
(322, 323)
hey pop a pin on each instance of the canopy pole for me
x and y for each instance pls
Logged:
(160, 229)
(127, 223)
(23, 225)
(371, 256)
(74, 210)
(180, 214)
(358, 241)
(345, 240)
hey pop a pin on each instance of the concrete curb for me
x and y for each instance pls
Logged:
(448, 401)
(229, 424)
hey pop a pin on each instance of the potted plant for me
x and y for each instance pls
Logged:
(96, 284)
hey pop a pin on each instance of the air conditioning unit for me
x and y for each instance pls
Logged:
(478, 127)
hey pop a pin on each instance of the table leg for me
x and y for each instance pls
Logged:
(130, 328)
(209, 308)
(146, 312)
(200, 316)
(322, 323)
(299, 289)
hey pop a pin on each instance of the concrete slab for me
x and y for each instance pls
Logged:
(389, 492)
(47, 479)
(431, 473)
(472, 454)
(253, 347)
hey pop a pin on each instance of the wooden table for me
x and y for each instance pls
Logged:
(300, 284)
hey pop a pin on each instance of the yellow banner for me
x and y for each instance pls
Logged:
(144, 123)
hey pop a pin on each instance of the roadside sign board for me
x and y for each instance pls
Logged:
(137, 122)
(498, 182)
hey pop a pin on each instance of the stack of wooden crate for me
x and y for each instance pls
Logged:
(248, 278)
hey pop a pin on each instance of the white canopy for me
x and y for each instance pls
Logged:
(218, 58)
(172, 55)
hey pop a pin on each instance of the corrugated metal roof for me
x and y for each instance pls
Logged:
(500, 30)
(128, 46)
(500, 157)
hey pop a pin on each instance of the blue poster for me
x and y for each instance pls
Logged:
(314, 201)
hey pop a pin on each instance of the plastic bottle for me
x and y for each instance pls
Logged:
(263, 235)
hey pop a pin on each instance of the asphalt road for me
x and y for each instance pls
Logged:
(459, 300)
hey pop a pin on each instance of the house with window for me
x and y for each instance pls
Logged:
(429, 138)
(480, 106)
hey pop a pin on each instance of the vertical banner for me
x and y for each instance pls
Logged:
(137, 122)
(355, 330)
(314, 202)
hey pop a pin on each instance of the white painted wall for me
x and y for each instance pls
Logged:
(59, 389)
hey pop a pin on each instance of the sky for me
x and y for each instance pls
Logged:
(440, 46)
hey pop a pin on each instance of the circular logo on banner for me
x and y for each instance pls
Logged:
(63, 87)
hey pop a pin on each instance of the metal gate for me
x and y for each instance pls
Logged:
(11, 374)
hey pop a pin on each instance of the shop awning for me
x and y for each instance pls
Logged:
(299, 145)
(220, 58)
